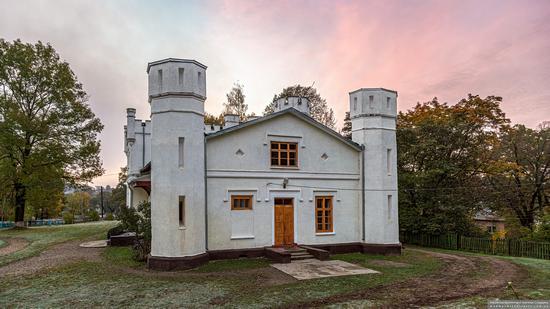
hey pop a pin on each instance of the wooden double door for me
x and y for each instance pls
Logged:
(284, 222)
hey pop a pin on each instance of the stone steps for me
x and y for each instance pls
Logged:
(300, 254)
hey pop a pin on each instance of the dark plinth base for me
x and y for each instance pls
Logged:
(393, 249)
(176, 263)
(340, 247)
(122, 240)
(277, 255)
(236, 253)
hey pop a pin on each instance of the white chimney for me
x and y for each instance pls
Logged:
(230, 120)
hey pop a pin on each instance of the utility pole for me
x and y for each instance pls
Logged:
(101, 202)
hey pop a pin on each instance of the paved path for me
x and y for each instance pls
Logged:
(313, 269)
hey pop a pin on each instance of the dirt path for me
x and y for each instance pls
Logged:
(56, 255)
(13, 244)
(461, 276)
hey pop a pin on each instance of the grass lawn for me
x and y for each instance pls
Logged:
(2, 243)
(119, 281)
(42, 237)
(116, 280)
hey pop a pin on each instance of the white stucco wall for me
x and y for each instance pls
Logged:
(138, 195)
(177, 108)
(230, 172)
(373, 125)
(238, 163)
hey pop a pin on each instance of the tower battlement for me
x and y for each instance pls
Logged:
(177, 77)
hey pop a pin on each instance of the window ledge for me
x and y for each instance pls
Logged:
(242, 237)
(181, 228)
(325, 234)
(285, 167)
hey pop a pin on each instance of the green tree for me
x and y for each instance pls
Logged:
(318, 106)
(235, 102)
(521, 171)
(346, 128)
(542, 230)
(77, 203)
(211, 119)
(49, 131)
(443, 151)
(117, 199)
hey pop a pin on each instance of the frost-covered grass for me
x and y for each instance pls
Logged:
(85, 284)
(117, 281)
(308, 290)
(42, 237)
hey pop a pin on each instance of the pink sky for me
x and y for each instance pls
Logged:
(422, 49)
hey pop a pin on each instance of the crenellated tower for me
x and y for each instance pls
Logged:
(177, 91)
(373, 114)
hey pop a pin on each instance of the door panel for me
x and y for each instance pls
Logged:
(279, 225)
(289, 225)
(284, 222)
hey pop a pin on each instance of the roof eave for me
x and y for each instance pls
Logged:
(294, 112)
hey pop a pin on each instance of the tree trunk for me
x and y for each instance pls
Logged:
(20, 192)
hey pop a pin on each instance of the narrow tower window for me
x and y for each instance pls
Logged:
(199, 77)
(389, 207)
(180, 151)
(371, 101)
(388, 102)
(160, 80)
(180, 76)
(388, 161)
(181, 210)
(355, 103)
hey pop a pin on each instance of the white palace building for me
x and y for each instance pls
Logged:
(263, 187)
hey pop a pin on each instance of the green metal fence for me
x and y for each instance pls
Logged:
(509, 247)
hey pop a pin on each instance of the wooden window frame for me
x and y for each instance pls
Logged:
(324, 218)
(278, 151)
(241, 197)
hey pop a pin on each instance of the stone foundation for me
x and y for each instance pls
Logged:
(176, 263)
(321, 252)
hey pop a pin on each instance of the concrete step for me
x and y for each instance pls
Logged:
(295, 250)
(302, 257)
(299, 253)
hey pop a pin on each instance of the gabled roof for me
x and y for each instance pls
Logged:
(291, 111)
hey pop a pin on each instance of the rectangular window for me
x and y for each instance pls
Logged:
(355, 103)
(181, 140)
(389, 206)
(284, 154)
(323, 214)
(387, 102)
(160, 80)
(181, 210)
(241, 202)
(199, 77)
(371, 101)
(180, 76)
(388, 161)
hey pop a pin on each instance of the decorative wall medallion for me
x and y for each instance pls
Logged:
(324, 156)
(239, 153)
